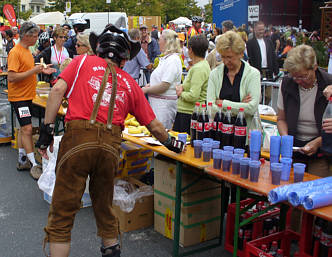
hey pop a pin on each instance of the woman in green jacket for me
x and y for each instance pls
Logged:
(234, 83)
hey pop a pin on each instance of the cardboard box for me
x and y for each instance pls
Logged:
(129, 151)
(142, 214)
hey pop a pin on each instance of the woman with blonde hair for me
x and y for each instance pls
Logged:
(83, 45)
(234, 82)
(164, 79)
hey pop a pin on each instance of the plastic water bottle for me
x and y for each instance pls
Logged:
(256, 124)
(327, 138)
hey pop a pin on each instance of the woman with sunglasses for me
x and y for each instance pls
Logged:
(83, 45)
(301, 104)
(55, 54)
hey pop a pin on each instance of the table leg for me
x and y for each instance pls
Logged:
(177, 209)
(237, 221)
(224, 203)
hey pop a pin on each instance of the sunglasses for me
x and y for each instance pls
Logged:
(79, 45)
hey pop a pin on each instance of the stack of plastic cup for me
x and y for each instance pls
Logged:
(239, 151)
(299, 169)
(286, 168)
(182, 137)
(198, 148)
(286, 149)
(244, 167)
(207, 150)
(226, 160)
(274, 149)
(207, 140)
(276, 169)
(217, 158)
(215, 144)
(229, 148)
(254, 169)
(236, 163)
(255, 144)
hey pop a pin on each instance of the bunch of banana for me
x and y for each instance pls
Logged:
(135, 128)
(132, 122)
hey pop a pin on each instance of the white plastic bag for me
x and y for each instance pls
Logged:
(268, 131)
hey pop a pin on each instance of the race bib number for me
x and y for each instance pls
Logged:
(24, 112)
(228, 129)
(240, 131)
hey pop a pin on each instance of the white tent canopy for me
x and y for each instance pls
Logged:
(49, 18)
(182, 21)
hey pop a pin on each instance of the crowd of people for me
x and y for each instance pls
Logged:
(98, 74)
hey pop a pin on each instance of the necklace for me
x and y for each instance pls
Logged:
(309, 89)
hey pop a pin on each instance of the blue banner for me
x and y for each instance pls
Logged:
(234, 10)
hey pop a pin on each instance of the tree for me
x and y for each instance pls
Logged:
(208, 13)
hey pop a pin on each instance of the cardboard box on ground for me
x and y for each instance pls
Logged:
(200, 204)
(142, 214)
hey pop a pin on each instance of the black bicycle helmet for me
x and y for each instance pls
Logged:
(197, 19)
(80, 25)
(43, 38)
(115, 44)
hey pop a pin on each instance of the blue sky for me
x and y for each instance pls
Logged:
(202, 2)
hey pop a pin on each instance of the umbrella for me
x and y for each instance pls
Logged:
(182, 21)
(49, 18)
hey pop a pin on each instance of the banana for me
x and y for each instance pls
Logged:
(134, 123)
(127, 122)
(134, 130)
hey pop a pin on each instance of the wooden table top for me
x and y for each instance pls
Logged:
(270, 118)
(264, 186)
(42, 103)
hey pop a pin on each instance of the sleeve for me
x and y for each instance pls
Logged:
(142, 59)
(197, 81)
(13, 63)
(140, 106)
(280, 102)
(253, 87)
(68, 75)
(174, 67)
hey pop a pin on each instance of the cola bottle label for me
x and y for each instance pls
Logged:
(326, 239)
(193, 124)
(220, 125)
(228, 129)
(214, 126)
(199, 126)
(240, 131)
(206, 126)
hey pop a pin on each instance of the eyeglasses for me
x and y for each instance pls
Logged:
(301, 78)
(79, 45)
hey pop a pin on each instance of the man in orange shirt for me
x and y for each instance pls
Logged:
(196, 27)
(22, 82)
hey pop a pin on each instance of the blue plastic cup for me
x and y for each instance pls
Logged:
(239, 151)
(236, 163)
(217, 158)
(198, 148)
(275, 145)
(226, 160)
(299, 169)
(255, 141)
(286, 168)
(274, 159)
(254, 169)
(244, 167)
(286, 149)
(254, 155)
(276, 169)
(183, 137)
(229, 148)
(207, 140)
(207, 151)
(215, 144)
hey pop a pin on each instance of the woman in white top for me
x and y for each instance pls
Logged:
(161, 90)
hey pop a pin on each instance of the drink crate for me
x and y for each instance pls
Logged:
(306, 242)
(257, 228)
(283, 238)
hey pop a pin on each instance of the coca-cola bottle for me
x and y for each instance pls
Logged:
(227, 128)
(327, 138)
(280, 253)
(200, 123)
(207, 122)
(326, 240)
(193, 121)
(209, 114)
(264, 248)
(217, 124)
(240, 130)
(274, 248)
(317, 231)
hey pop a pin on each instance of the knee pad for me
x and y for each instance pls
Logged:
(111, 251)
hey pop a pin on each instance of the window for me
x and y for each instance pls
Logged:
(38, 8)
(23, 7)
(32, 8)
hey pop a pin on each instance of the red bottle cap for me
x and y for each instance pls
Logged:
(219, 105)
(280, 251)
(203, 105)
(262, 160)
(264, 247)
(210, 104)
(274, 243)
(241, 109)
(229, 108)
(197, 104)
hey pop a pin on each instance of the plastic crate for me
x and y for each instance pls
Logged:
(284, 239)
(257, 230)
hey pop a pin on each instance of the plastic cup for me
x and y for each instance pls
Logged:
(226, 160)
(254, 169)
(275, 145)
(217, 158)
(274, 159)
(207, 149)
(254, 155)
(229, 148)
(299, 169)
(255, 141)
(286, 149)
(182, 138)
(286, 168)
(215, 144)
(244, 167)
(207, 140)
(276, 169)
(239, 151)
(236, 163)
(198, 148)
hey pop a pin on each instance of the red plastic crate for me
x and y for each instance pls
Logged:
(285, 237)
(257, 225)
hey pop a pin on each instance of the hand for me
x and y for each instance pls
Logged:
(48, 70)
(246, 99)
(179, 90)
(327, 125)
(328, 92)
(45, 139)
(149, 66)
(174, 145)
(312, 147)
(219, 101)
(43, 152)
